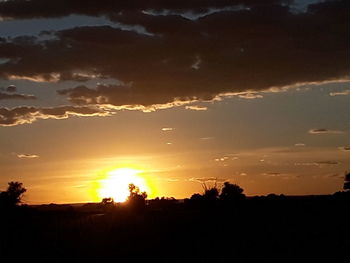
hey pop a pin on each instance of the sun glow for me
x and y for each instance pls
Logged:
(116, 183)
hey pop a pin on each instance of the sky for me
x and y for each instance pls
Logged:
(184, 92)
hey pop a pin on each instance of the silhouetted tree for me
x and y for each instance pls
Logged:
(347, 182)
(136, 198)
(196, 197)
(13, 195)
(211, 193)
(231, 192)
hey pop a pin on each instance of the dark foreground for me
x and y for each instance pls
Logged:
(264, 229)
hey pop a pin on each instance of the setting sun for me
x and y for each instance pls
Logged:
(116, 184)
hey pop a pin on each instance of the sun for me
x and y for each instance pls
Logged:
(116, 183)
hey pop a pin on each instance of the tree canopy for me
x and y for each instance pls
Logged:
(13, 195)
(231, 192)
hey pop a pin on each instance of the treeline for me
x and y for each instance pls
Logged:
(228, 193)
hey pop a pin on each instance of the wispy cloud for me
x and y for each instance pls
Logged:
(319, 163)
(196, 63)
(221, 159)
(272, 174)
(281, 175)
(167, 129)
(206, 138)
(27, 156)
(196, 108)
(207, 180)
(9, 95)
(324, 131)
(172, 179)
(250, 96)
(22, 115)
(345, 148)
(340, 93)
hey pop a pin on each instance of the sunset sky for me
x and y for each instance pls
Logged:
(255, 92)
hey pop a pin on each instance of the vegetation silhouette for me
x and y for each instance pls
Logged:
(13, 195)
(346, 186)
(136, 199)
(271, 228)
(227, 194)
(232, 193)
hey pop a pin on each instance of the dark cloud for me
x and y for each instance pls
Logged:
(11, 96)
(230, 52)
(11, 88)
(40, 9)
(22, 115)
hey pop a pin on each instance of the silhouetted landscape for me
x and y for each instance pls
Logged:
(218, 226)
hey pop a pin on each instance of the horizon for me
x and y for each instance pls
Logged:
(173, 95)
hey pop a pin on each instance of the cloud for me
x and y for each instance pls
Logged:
(250, 96)
(196, 64)
(319, 163)
(340, 93)
(345, 148)
(39, 8)
(14, 96)
(27, 156)
(207, 180)
(11, 88)
(335, 176)
(327, 163)
(324, 131)
(167, 129)
(22, 115)
(196, 108)
(172, 179)
(283, 176)
(206, 138)
(222, 159)
(273, 174)
(181, 60)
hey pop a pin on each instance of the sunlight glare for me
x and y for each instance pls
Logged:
(116, 184)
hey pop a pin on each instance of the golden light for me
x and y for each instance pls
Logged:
(116, 183)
